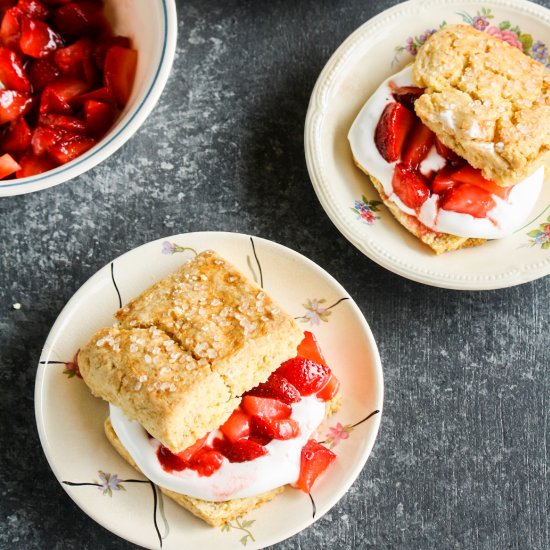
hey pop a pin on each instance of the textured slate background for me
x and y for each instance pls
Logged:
(462, 456)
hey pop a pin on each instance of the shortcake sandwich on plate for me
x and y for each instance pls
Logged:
(455, 144)
(215, 392)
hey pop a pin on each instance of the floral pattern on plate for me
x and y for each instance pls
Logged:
(482, 20)
(365, 209)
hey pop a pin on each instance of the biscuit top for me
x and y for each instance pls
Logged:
(486, 100)
(187, 348)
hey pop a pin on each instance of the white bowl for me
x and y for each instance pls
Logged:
(152, 27)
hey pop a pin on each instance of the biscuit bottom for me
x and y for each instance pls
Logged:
(213, 513)
(438, 242)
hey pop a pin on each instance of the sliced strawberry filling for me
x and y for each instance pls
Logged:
(401, 137)
(59, 58)
(265, 414)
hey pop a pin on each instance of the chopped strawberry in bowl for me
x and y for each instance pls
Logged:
(78, 78)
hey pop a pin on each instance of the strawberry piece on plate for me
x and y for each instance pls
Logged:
(120, 69)
(417, 145)
(277, 387)
(468, 199)
(188, 453)
(265, 406)
(66, 150)
(410, 186)
(75, 61)
(407, 95)
(98, 117)
(169, 461)
(32, 165)
(17, 137)
(242, 450)
(12, 74)
(443, 181)
(206, 462)
(314, 460)
(13, 105)
(275, 428)
(309, 348)
(306, 375)
(330, 390)
(37, 38)
(41, 72)
(236, 426)
(447, 153)
(469, 174)
(392, 129)
(8, 166)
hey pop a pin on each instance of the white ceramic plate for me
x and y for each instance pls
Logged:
(373, 52)
(70, 420)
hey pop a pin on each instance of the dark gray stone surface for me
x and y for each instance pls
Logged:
(462, 456)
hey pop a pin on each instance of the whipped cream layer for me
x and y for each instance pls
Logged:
(281, 464)
(507, 216)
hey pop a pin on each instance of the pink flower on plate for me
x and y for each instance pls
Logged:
(506, 35)
(336, 434)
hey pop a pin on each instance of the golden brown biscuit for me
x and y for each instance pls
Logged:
(187, 348)
(485, 100)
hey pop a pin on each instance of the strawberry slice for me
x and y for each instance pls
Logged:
(169, 461)
(56, 96)
(410, 186)
(12, 74)
(242, 450)
(120, 69)
(16, 138)
(417, 145)
(32, 165)
(274, 428)
(469, 174)
(64, 122)
(41, 72)
(314, 460)
(98, 116)
(103, 95)
(443, 181)
(468, 199)
(206, 462)
(309, 348)
(33, 9)
(188, 453)
(65, 151)
(277, 387)
(75, 61)
(306, 375)
(37, 38)
(407, 95)
(447, 153)
(80, 19)
(236, 426)
(265, 406)
(10, 29)
(102, 47)
(330, 390)
(392, 129)
(43, 139)
(13, 105)
(8, 166)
